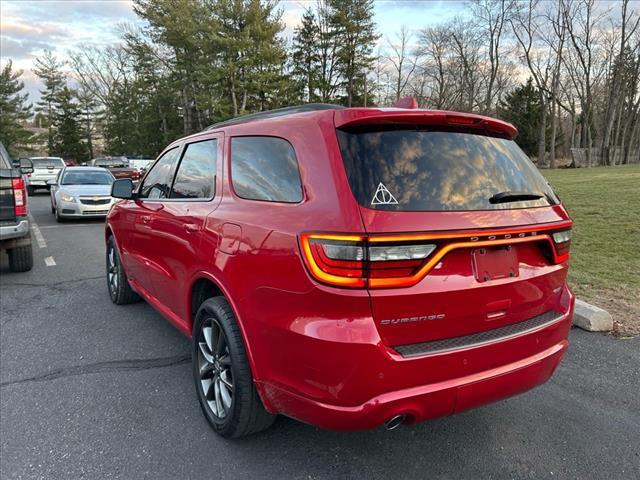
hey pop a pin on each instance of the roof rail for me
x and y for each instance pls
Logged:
(278, 112)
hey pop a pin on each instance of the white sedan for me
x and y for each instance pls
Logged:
(81, 192)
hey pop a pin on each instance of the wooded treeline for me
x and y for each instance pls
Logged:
(566, 73)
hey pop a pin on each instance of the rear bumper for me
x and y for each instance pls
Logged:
(424, 387)
(18, 230)
(427, 401)
(37, 183)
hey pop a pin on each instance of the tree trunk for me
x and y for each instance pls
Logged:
(554, 132)
(543, 130)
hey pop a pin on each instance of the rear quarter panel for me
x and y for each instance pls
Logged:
(254, 250)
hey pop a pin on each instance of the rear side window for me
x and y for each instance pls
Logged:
(157, 183)
(417, 170)
(197, 171)
(265, 168)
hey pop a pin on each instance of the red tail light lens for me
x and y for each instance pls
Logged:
(19, 196)
(562, 243)
(335, 259)
(350, 261)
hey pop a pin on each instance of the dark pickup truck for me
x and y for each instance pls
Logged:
(119, 167)
(15, 236)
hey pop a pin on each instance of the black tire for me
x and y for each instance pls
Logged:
(59, 219)
(30, 190)
(21, 258)
(53, 209)
(245, 414)
(120, 291)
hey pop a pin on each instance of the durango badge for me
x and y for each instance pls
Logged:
(422, 318)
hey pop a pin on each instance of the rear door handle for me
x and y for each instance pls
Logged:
(191, 227)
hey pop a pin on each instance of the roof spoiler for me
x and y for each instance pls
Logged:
(350, 117)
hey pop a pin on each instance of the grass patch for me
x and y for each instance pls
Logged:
(604, 203)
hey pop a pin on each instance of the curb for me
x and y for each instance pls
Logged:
(591, 318)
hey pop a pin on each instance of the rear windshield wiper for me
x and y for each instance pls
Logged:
(505, 197)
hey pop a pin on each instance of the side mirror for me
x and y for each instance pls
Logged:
(26, 166)
(52, 182)
(122, 188)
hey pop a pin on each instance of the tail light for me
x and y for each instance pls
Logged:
(392, 261)
(562, 242)
(19, 196)
(356, 261)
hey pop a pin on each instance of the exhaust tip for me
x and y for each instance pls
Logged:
(395, 422)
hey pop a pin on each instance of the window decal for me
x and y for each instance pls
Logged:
(383, 196)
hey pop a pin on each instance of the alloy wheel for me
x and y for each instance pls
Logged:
(112, 270)
(214, 368)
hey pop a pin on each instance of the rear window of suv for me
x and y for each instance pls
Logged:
(420, 170)
(47, 162)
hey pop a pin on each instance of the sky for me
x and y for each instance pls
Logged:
(29, 27)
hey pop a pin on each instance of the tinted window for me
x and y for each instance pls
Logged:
(158, 181)
(197, 171)
(265, 168)
(47, 162)
(438, 170)
(118, 162)
(76, 177)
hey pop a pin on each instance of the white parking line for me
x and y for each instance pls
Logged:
(49, 261)
(71, 225)
(37, 233)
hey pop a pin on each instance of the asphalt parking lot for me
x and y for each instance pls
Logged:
(92, 390)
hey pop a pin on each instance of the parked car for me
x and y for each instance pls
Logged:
(119, 167)
(140, 164)
(81, 192)
(349, 267)
(15, 236)
(44, 169)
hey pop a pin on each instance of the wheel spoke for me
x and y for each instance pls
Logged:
(205, 352)
(220, 407)
(225, 393)
(207, 332)
(225, 379)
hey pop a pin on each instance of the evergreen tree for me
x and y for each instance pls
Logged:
(356, 35)
(521, 107)
(89, 116)
(13, 109)
(67, 139)
(47, 68)
(306, 57)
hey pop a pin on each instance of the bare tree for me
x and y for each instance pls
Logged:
(435, 51)
(404, 64)
(526, 26)
(490, 17)
(581, 19)
(617, 87)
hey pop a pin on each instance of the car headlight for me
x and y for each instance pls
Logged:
(65, 197)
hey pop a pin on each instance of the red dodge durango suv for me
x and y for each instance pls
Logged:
(349, 267)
